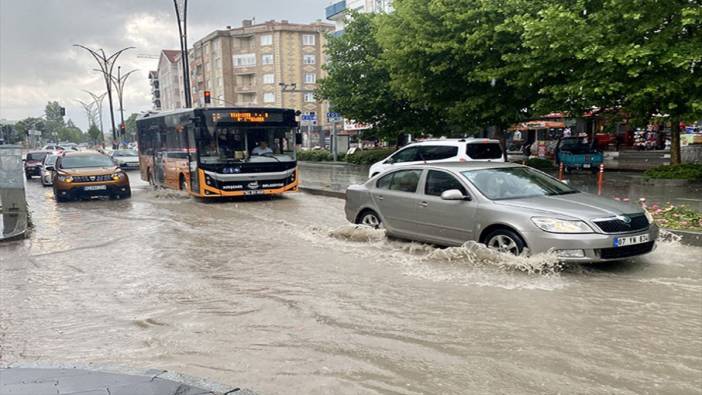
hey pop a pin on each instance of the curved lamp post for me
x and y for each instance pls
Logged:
(107, 64)
(181, 8)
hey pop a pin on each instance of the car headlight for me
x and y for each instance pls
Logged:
(65, 178)
(117, 176)
(649, 217)
(555, 225)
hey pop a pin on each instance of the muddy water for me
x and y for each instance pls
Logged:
(281, 294)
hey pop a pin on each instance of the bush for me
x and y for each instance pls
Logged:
(686, 171)
(319, 155)
(541, 164)
(368, 157)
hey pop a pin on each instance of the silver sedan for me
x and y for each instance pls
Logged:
(506, 206)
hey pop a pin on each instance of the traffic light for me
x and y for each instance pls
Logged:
(208, 97)
(63, 111)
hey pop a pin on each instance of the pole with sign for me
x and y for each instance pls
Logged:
(333, 118)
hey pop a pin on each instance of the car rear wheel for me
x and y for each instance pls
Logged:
(504, 240)
(369, 218)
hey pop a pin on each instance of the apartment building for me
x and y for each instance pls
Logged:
(338, 10)
(170, 80)
(271, 64)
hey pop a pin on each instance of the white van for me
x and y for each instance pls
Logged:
(444, 150)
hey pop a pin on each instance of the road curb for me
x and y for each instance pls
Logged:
(689, 238)
(323, 192)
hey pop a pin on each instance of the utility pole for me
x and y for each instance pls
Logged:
(119, 82)
(181, 8)
(107, 64)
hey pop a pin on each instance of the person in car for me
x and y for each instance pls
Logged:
(262, 149)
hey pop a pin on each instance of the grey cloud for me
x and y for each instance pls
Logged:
(38, 62)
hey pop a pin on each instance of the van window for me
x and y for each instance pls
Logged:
(406, 155)
(437, 152)
(484, 150)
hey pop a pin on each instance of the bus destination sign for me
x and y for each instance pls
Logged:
(247, 117)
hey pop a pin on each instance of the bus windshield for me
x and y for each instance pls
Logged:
(226, 144)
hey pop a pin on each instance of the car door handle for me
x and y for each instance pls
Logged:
(380, 197)
(423, 204)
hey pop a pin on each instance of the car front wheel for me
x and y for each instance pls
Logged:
(504, 240)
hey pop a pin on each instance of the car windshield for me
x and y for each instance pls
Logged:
(84, 161)
(38, 156)
(233, 144)
(50, 160)
(515, 183)
(125, 152)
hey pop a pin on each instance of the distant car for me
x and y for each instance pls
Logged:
(508, 207)
(69, 146)
(444, 150)
(54, 147)
(125, 158)
(33, 161)
(47, 170)
(88, 174)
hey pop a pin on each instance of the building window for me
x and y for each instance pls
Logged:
(267, 39)
(244, 60)
(269, 78)
(308, 39)
(309, 59)
(309, 97)
(269, 97)
(310, 78)
(267, 59)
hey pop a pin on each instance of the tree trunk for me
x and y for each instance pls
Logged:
(500, 135)
(675, 141)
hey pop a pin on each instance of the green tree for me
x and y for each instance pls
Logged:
(95, 135)
(644, 57)
(71, 133)
(54, 121)
(358, 82)
(130, 126)
(449, 55)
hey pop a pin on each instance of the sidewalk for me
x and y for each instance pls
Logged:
(37, 381)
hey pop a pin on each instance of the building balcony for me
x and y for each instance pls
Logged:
(336, 10)
(246, 88)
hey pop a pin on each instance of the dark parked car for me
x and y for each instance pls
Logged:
(33, 163)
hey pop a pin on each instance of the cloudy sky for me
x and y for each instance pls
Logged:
(38, 62)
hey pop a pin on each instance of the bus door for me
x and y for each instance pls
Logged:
(192, 158)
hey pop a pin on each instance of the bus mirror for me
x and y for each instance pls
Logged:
(298, 138)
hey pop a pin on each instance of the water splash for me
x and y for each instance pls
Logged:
(357, 233)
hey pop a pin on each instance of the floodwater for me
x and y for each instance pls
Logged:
(283, 296)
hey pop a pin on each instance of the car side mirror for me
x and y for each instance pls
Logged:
(567, 182)
(389, 161)
(454, 194)
(49, 168)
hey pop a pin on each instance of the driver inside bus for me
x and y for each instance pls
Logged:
(262, 149)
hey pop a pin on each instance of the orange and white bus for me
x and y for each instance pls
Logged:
(219, 152)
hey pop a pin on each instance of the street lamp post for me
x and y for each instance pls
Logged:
(107, 64)
(119, 82)
(181, 8)
(97, 100)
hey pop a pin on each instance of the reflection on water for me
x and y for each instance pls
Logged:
(282, 293)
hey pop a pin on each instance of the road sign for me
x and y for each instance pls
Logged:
(309, 117)
(33, 132)
(333, 117)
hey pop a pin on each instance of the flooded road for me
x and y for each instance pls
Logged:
(280, 295)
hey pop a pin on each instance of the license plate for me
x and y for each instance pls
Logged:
(256, 192)
(95, 188)
(630, 240)
(586, 166)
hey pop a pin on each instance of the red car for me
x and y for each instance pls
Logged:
(33, 163)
